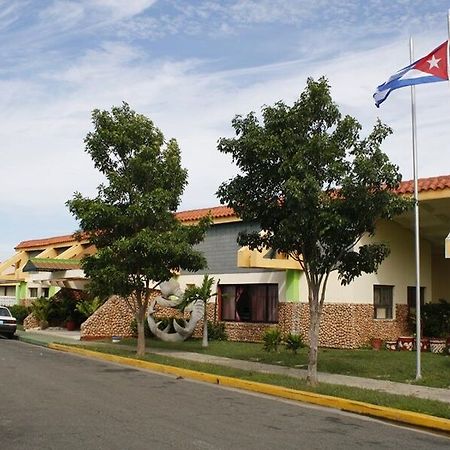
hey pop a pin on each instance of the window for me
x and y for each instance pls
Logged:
(411, 298)
(382, 302)
(249, 302)
(33, 292)
(45, 292)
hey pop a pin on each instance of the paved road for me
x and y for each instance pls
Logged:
(51, 400)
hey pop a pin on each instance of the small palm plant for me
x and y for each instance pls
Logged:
(204, 293)
(293, 342)
(272, 338)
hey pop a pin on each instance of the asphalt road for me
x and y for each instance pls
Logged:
(52, 400)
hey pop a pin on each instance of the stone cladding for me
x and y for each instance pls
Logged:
(342, 325)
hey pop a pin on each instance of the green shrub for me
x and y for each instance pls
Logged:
(272, 339)
(147, 332)
(41, 309)
(293, 342)
(88, 307)
(436, 319)
(19, 312)
(216, 331)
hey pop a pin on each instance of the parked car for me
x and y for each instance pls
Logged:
(7, 322)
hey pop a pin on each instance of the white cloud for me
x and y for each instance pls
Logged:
(46, 100)
(10, 12)
(120, 9)
(62, 14)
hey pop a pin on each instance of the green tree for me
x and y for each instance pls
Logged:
(131, 221)
(316, 188)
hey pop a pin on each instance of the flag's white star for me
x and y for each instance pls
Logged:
(433, 62)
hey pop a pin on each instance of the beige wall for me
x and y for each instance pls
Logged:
(397, 270)
(278, 277)
(441, 278)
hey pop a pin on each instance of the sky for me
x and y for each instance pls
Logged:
(191, 66)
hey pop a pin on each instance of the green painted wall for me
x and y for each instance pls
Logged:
(292, 285)
(52, 290)
(21, 290)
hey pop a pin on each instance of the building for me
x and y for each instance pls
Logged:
(40, 267)
(259, 290)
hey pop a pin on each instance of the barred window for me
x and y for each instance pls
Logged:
(383, 301)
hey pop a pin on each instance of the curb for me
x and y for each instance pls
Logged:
(354, 406)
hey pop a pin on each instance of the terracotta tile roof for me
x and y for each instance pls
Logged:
(425, 184)
(38, 243)
(217, 212)
(51, 264)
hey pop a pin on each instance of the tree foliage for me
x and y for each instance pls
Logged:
(131, 221)
(315, 187)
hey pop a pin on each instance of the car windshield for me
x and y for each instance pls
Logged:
(4, 312)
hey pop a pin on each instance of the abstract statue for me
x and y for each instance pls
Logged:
(171, 297)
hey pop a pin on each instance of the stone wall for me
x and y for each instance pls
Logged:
(30, 322)
(341, 326)
(353, 326)
(113, 318)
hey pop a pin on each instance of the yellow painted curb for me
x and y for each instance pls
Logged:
(398, 415)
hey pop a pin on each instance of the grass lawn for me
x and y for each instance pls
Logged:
(431, 407)
(383, 365)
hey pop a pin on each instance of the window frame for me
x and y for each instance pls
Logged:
(268, 311)
(31, 289)
(388, 305)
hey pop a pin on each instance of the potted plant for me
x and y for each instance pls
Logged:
(377, 343)
(405, 343)
(391, 345)
(436, 324)
(70, 324)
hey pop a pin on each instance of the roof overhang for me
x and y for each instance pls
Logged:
(73, 279)
(434, 214)
(51, 265)
(265, 259)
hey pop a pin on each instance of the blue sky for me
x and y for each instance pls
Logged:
(191, 66)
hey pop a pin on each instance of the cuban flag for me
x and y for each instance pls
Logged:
(429, 69)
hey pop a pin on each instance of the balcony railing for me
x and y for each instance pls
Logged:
(7, 300)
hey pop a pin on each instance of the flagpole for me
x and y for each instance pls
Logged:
(416, 218)
(448, 44)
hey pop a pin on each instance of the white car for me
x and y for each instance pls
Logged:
(8, 323)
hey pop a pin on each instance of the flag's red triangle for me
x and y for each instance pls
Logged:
(435, 63)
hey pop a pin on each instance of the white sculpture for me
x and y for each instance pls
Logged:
(172, 296)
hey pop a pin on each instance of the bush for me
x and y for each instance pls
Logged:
(272, 339)
(88, 307)
(41, 309)
(19, 312)
(147, 332)
(293, 342)
(436, 319)
(216, 331)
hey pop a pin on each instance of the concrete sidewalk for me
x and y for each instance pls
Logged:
(45, 337)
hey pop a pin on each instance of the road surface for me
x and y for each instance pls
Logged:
(53, 400)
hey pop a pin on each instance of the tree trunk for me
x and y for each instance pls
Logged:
(314, 327)
(140, 351)
(205, 329)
